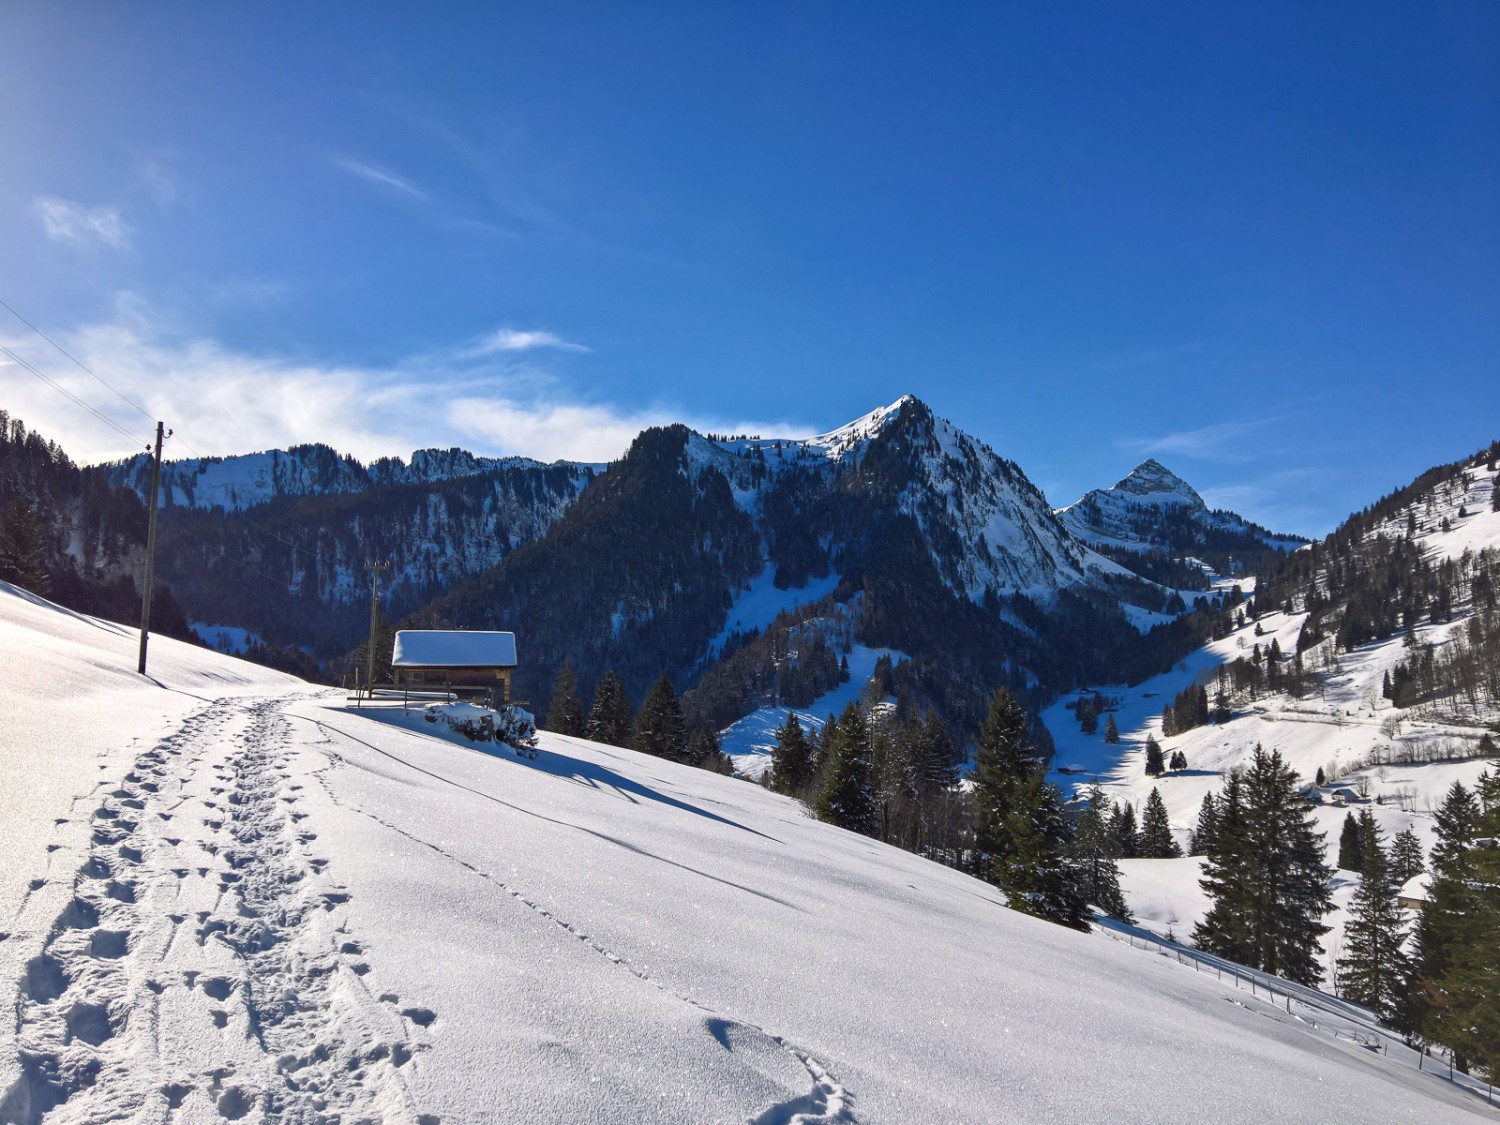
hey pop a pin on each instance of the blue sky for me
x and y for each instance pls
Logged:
(1260, 243)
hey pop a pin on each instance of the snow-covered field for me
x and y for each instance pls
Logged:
(226, 895)
(749, 741)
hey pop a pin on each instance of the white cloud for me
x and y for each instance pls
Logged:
(1230, 442)
(221, 401)
(374, 174)
(511, 340)
(66, 221)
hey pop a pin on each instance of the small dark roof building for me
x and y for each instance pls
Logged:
(455, 658)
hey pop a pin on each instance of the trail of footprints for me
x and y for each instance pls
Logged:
(220, 946)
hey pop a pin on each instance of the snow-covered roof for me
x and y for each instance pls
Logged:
(454, 648)
(1417, 888)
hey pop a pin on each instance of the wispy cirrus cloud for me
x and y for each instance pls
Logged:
(65, 221)
(382, 177)
(504, 340)
(1233, 442)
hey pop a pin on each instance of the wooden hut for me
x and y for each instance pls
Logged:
(465, 661)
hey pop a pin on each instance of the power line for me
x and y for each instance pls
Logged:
(113, 390)
(136, 406)
(60, 389)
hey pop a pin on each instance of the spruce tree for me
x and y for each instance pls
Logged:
(1096, 851)
(1351, 845)
(1001, 763)
(565, 711)
(1406, 857)
(1037, 873)
(1372, 970)
(21, 548)
(936, 756)
(1154, 765)
(1111, 731)
(705, 751)
(659, 727)
(1225, 929)
(1266, 875)
(1207, 827)
(1464, 910)
(1441, 920)
(848, 798)
(1157, 841)
(791, 757)
(1127, 835)
(610, 719)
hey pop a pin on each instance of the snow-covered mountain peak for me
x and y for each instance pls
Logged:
(1152, 482)
(850, 436)
(1153, 509)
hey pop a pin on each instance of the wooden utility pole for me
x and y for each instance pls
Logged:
(374, 569)
(150, 551)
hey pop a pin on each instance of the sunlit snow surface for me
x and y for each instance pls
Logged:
(227, 895)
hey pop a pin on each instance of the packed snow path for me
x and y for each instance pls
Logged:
(226, 897)
(201, 909)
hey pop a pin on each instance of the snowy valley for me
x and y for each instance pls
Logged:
(230, 896)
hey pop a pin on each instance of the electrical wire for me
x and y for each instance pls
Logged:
(79, 363)
(60, 389)
(119, 429)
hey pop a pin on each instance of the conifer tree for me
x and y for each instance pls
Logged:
(1471, 985)
(1372, 970)
(1351, 845)
(1096, 852)
(1088, 718)
(1127, 835)
(1111, 731)
(21, 548)
(1457, 975)
(1002, 761)
(1406, 857)
(1157, 841)
(659, 728)
(1154, 764)
(848, 797)
(610, 719)
(705, 751)
(1440, 923)
(1266, 875)
(792, 757)
(1207, 827)
(565, 711)
(1037, 873)
(937, 758)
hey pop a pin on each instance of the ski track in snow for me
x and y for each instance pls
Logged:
(222, 947)
(826, 1103)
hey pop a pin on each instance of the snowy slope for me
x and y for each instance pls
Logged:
(749, 741)
(1347, 728)
(230, 897)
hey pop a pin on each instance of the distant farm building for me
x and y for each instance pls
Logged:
(463, 660)
(1416, 892)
